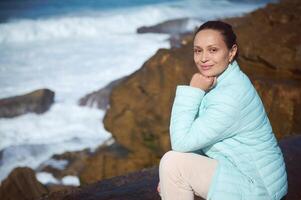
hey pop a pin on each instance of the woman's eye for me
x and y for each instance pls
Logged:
(213, 50)
(197, 50)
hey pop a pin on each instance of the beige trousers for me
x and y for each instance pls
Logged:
(184, 174)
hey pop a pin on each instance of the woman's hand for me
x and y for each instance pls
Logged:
(158, 188)
(203, 82)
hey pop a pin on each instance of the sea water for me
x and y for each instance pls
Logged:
(74, 47)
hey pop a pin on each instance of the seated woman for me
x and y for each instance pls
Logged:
(223, 146)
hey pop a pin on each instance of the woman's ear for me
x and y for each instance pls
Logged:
(233, 52)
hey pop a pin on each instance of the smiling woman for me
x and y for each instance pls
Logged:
(223, 146)
(211, 53)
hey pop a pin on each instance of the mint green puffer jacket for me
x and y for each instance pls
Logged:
(229, 124)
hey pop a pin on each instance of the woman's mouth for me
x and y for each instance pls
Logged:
(206, 67)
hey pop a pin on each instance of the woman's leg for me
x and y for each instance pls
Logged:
(184, 174)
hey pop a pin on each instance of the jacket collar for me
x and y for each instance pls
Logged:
(231, 67)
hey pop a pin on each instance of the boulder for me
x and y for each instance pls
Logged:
(21, 184)
(38, 101)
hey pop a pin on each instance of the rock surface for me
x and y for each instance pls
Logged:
(38, 101)
(21, 184)
(142, 184)
(99, 98)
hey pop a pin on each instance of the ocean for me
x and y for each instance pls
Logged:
(75, 47)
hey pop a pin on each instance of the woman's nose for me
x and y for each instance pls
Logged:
(204, 57)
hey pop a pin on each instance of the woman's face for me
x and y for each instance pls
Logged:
(211, 54)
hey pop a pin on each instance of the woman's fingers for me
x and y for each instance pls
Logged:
(203, 82)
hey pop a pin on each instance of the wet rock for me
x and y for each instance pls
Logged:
(21, 184)
(38, 101)
(100, 98)
(174, 26)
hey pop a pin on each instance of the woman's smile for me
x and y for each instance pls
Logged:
(206, 67)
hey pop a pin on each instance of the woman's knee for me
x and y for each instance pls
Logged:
(169, 160)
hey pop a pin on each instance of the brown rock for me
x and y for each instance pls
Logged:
(21, 184)
(112, 161)
(271, 36)
(282, 101)
(38, 101)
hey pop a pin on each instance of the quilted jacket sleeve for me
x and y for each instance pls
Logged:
(190, 131)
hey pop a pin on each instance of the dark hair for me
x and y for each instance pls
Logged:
(225, 29)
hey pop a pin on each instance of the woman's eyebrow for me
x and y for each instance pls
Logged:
(213, 45)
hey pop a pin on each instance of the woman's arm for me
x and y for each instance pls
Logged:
(190, 132)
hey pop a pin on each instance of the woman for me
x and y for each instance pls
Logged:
(223, 147)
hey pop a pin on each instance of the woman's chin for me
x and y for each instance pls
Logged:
(207, 73)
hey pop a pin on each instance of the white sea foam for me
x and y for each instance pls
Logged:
(46, 178)
(73, 55)
(70, 180)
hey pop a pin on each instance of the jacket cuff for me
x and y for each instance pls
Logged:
(189, 95)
